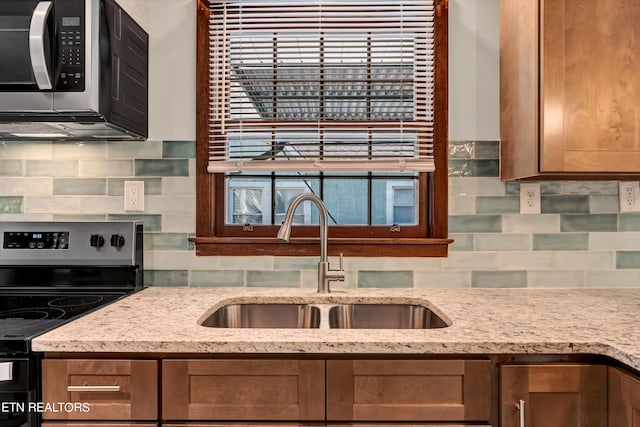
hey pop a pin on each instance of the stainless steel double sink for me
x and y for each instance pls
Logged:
(337, 316)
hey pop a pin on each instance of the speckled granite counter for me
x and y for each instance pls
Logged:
(520, 321)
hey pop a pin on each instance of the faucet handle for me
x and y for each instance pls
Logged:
(341, 261)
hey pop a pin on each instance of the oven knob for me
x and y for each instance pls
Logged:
(117, 240)
(96, 240)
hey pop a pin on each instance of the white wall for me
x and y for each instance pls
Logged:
(474, 73)
(171, 25)
(474, 70)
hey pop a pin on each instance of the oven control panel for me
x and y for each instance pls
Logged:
(80, 243)
(36, 240)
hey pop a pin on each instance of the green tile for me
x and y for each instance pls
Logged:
(219, 278)
(590, 187)
(296, 263)
(564, 204)
(11, 168)
(498, 279)
(475, 223)
(150, 222)
(502, 242)
(166, 241)
(628, 260)
(561, 242)
(385, 279)
(51, 168)
(512, 187)
(278, 279)
(152, 186)
(507, 204)
(629, 222)
(479, 168)
(594, 222)
(604, 204)
(166, 277)
(179, 149)
(162, 167)
(487, 150)
(461, 242)
(79, 217)
(461, 149)
(11, 204)
(135, 150)
(77, 186)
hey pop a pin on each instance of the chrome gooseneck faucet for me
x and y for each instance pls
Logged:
(325, 274)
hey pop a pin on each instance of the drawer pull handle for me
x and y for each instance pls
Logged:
(520, 407)
(95, 388)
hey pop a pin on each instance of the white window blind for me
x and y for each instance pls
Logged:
(321, 85)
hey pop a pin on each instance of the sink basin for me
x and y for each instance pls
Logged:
(384, 316)
(264, 316)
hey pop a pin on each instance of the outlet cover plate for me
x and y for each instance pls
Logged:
(134, 196)
(530, 198)
(629, 196)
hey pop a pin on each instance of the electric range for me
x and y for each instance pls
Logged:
(51, 273)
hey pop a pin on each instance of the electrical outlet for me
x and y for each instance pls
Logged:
(134, 196)
(530, 198)
(629, 196)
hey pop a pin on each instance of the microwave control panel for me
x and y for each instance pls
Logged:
(70, 30)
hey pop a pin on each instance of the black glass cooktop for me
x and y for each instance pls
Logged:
(24, 316)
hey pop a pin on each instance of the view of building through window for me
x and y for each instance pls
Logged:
(342, 77)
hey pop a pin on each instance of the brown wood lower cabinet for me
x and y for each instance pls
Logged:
(409, 390)
(115, 390)
(279, 390)
(558, 395)
(624, 399)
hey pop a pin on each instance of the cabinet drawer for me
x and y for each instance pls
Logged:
(113, 389)
(230, 424)
(80, 424)
(242, 390)
(408, 390)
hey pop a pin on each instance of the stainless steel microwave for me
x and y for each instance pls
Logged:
(72, 70)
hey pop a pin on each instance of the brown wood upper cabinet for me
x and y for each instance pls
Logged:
(114, 389)
(408, 390)
(624, 399)
(559, 395)
(570, 94)
(240, 390)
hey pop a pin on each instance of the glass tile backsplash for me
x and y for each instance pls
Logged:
(579, 239)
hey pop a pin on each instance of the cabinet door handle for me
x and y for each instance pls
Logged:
(95, 388)
(520, 407)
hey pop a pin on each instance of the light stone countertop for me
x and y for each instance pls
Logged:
(483, 321)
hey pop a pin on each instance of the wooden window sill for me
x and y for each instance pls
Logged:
(407, 247)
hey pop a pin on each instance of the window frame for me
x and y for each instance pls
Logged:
(428, 238)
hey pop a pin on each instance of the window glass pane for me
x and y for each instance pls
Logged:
(346, 200)
(286, 191)
(394, 201)
(248, 200)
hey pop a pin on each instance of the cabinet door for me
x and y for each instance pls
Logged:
(554, 395)
(590, 119)
(113, 389)
(624, 399)
(408, 390)
(240, 390)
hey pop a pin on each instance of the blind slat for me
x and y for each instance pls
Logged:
(321, 85)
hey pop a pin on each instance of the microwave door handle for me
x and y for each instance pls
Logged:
(36, 45)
